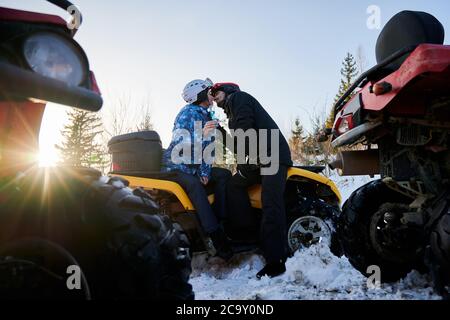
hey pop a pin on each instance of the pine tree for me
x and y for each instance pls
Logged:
(296, 142)
(80, 147)
(349, 71)
(297, 132)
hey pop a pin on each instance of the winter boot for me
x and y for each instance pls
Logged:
(222, 244)
(272, 270)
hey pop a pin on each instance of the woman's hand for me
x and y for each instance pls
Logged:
(204, 180)
(209, 127)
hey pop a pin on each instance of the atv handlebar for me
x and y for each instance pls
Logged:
(15, 81)
(65, 5)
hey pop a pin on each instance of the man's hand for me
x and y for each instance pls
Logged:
(204, 180)
(209, 127)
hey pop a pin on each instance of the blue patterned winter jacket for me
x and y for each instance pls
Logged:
(185, 123)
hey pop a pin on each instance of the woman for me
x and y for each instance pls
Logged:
(195, 174)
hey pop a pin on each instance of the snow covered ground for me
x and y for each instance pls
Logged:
(312, 274)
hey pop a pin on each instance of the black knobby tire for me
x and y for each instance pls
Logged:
(146, 256)
(353, 230)
(117, 236)
(440, 244)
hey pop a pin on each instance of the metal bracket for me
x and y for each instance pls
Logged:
(405, 189)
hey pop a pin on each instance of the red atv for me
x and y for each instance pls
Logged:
(62, 223)
(400, 112)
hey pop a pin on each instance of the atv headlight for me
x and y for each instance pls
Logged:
(54, 56)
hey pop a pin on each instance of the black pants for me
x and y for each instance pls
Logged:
(273, 226)
(208, 216)
(219, 181)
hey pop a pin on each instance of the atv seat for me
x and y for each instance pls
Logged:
(406, 30)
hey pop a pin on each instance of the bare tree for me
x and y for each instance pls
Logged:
(122, 115)
(117, 116)
(361, 60)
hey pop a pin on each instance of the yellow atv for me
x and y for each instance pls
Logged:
(312, 200)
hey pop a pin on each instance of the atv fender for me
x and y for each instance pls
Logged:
(295, 174)
(254, 192)
(163, 185)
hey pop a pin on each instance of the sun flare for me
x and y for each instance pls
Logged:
(47, 159)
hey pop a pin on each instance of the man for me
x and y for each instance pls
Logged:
(245, 112)
(192, 175)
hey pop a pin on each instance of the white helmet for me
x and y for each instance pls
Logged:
(193, 88)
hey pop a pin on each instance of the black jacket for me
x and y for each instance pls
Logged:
(245, 112)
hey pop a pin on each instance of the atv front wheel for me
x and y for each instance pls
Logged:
(311, 221)
(307, 231)
(124, 246)
(34, 267)
(147, 255)
(371, 234)
(440, 246)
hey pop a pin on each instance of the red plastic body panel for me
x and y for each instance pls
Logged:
(19, 135)
(425, 73)
(423, 76)
(20, 122)
(7, 14)
(94, 84)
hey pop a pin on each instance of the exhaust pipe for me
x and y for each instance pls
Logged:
(357, 163)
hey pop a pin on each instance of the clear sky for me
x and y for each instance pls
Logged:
(286, 53)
